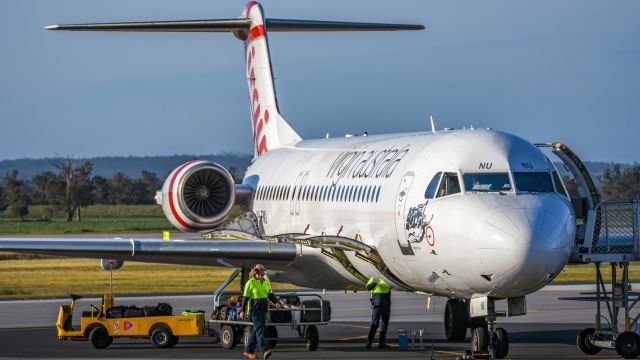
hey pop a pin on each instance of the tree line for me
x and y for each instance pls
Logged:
(72, 187)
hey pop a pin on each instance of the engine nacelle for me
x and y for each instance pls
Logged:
(198, 195)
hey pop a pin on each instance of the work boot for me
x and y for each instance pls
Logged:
(249, 355)
(267, 354)
(384, 346)
(368, 346)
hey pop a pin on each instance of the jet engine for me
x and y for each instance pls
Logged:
(198, 195)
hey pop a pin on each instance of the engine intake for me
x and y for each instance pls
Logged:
(197, 195)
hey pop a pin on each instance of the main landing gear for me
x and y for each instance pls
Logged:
(479, 315)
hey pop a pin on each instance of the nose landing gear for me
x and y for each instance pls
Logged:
(479, 315)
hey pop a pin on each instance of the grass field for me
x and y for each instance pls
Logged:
(57, 277)
(95, 219)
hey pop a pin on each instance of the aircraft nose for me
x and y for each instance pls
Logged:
(524, 247)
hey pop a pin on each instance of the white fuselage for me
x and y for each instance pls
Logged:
(372, 189)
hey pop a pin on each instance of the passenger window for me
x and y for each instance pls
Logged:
(433, 186)
(449, 185)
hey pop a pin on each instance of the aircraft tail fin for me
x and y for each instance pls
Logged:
(270, 130)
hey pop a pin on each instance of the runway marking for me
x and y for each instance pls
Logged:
(349, 325)
(449, 352)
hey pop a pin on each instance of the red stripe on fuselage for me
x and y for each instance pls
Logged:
(171, 204)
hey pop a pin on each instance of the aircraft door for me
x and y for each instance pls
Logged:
(294, 204)
(399, 214)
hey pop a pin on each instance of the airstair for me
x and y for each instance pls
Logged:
(607, 232)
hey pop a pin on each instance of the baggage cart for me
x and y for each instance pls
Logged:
(302, 312)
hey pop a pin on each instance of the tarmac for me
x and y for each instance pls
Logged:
(556, 314)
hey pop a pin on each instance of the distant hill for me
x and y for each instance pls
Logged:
(130, 165)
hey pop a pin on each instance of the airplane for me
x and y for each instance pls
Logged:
(473, 215)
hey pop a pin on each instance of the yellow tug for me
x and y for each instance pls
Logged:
(105, 322)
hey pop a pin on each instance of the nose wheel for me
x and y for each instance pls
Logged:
(490, 341)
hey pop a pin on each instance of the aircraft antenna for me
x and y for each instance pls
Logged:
(433, 126)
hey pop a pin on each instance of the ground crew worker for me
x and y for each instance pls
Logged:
(257, 293)
(381, 302)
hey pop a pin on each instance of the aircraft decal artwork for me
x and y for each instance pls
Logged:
(417, 225)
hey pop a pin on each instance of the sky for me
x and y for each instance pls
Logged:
(544, 70)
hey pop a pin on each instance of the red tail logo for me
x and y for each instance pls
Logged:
(259, 118)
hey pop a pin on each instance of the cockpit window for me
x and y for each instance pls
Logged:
(486, 182)
(449, 185)
(558, 182)
(433, 186)
(533, 181)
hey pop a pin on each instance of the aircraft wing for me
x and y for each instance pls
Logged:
(224, 253)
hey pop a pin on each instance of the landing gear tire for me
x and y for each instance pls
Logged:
(628, 345)
(584, 344)
(455, 320)
(479, 340)
(500, 344)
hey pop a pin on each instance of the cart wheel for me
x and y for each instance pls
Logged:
(227, 337)
(162, 338)
(311, 338)
(585, 344)
(271, 334)
(500, 345)
(100, 338)
(628, 345)
(479, 339)
(246, 334)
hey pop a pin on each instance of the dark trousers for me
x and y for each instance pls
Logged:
(257, 334)
(379, 314)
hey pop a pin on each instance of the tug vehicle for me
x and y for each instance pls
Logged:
(106, 322)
